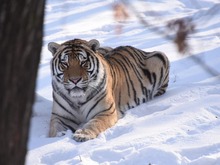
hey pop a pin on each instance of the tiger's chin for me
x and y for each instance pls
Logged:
(76, 92)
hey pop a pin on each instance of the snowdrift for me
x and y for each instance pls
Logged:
(177, 128)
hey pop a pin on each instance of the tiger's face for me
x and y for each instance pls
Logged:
(74, 66)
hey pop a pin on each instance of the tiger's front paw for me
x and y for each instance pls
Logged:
(82, 135)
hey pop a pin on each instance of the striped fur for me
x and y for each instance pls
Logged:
(93, 88)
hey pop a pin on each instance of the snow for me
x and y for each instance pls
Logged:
(181, 127)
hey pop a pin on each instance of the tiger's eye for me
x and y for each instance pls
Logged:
(85, 64)
(63, 66)
(65, 58)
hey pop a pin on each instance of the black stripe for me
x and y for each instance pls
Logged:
(119, 100)
(55, 100)
(148, 74)
(126, 49)
(94, 64)
(132, 64)
(100, 99)
(71, 104)
(124, 69)
(121, 112)
(165, 85)
(64, 124)
(127, 62)
(166, 77)
(150, 94)
(109, 108)
(100, 86)
(72, 121)
(161, 57)
(154, 80)
(134, 53)
(125, 66)
(67, 50)
(105, 110)
(52, 67)
(129, 107)
(161, 77)
(114, 78)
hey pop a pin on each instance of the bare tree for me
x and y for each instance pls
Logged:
(21, 30)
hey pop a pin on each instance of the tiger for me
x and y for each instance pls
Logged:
(93, 89)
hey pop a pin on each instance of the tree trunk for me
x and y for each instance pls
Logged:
(21, 31)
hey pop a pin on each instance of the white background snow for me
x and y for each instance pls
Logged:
(182, 127)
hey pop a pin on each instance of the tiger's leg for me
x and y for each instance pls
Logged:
(56, 128)
(95, 126)
(164, 85)
(59, 125)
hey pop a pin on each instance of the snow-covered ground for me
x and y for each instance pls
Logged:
(181, 127)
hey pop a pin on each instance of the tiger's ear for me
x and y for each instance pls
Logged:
(52, 47)
(94, 44)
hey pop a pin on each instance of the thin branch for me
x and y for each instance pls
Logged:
(183, 28)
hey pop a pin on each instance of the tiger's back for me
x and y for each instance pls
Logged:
(138, 76)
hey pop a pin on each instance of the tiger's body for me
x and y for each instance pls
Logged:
(92, 89)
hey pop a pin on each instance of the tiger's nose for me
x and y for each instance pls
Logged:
(75, 80)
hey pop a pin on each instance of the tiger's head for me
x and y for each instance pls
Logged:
(75, 66)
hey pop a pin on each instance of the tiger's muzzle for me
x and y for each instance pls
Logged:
(75, 86)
